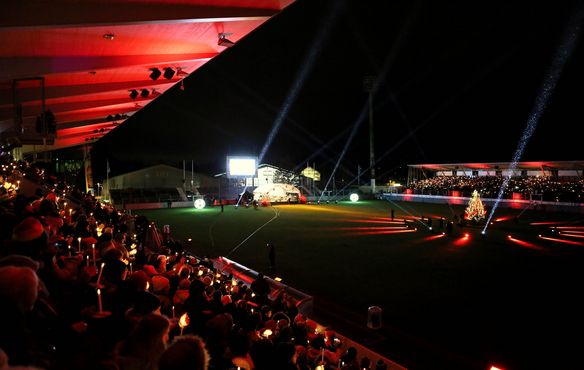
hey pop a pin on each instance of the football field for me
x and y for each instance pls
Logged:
(462, 300)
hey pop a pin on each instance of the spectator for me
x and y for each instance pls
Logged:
(144, 346)
(186, 352)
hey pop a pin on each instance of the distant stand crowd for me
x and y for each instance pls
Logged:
(544, 188)
(87, 286)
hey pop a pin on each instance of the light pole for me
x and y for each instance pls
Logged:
(368, 84)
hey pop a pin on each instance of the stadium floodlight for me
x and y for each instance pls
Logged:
(200, 204)
(224, 41)
(241, 166)
(354, 197)
(155, 73)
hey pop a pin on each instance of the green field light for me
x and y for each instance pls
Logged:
(354, 197)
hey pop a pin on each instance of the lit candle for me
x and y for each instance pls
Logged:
(183, 322)
(87, 259)
(173, 312)
(93, 250)
(79, 243)
(100, 271)
(69, 248)
(131, 268)
(99, 300)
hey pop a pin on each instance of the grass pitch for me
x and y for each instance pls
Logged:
(456, 301)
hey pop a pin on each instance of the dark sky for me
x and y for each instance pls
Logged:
(457, 83)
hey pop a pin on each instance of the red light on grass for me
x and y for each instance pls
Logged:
(572, 235)
(525, 244)
(432, 237)
(563, 241)
(381, 232)
(462, 240)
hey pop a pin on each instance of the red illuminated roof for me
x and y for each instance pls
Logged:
(559, 165)
(90, 54)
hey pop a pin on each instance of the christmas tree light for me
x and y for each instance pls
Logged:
(475, 210)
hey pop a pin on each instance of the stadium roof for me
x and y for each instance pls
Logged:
(559, 165)
(92, 54)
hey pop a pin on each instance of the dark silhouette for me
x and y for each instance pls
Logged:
(271, 255)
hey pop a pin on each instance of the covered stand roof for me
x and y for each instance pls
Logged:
(559, 165)
(90, 55)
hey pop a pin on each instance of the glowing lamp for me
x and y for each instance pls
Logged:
(466, 235)
(233, 282)
(495, 368)
(509, 236)
(266, 333)
(199, 204)
(483, 232)
(278, 279)
(354, 197)
(200, 273)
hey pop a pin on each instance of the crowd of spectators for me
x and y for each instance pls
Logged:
(86, 286)
(546, 188)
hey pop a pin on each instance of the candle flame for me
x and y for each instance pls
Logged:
(184, 320)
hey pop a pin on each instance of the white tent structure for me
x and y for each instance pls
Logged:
(277, 193)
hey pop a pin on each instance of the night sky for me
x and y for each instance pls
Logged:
(457, 82)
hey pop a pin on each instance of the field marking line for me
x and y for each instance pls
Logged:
(276, 215)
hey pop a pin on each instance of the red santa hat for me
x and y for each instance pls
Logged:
(29, 229)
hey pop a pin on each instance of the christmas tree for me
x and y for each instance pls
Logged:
(475, 210)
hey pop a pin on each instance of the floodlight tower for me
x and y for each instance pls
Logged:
(368, 82)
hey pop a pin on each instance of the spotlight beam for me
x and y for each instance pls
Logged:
(301, 76)
(563, 53)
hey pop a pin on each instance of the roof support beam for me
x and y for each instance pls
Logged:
(50, 14)
(52, 92)
(23, 67)
(31, 110)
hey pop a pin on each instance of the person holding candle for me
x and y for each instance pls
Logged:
(186, 352)
(145, 344)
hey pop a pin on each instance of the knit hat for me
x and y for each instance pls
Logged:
(207, 280)
(29, 229)
(150, 270)
(138, 280)
(19, 285)
(226, 299)
(54, 222)
(145, 303)
(51, 196)
(160, 284)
